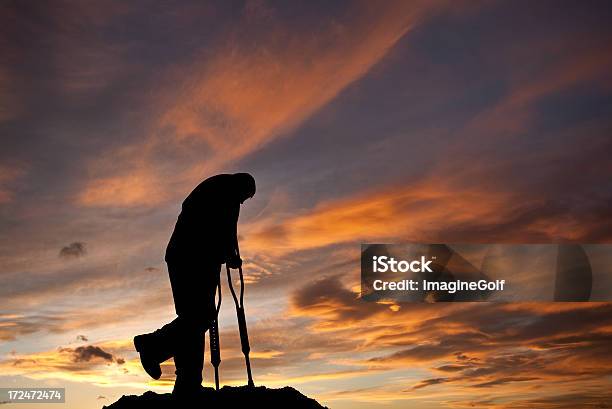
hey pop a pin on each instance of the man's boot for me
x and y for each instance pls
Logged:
(158, 346)
(149, 357)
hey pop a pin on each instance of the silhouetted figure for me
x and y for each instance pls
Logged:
(205, 236)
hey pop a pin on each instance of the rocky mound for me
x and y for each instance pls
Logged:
(228, 397)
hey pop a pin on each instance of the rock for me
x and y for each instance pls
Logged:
(243, 397)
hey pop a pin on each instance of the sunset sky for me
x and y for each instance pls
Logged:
(420, 121)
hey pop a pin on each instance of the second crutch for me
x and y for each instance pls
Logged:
(215, 348)
(242, 326)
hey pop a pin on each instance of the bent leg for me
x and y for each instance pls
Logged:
(183, 339)
(170, 338)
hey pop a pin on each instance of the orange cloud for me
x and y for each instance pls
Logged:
(250, 94)
(496, 349)
(97, 364)
(134, 189)
(571, 63)
(418, 212)
(243, 96)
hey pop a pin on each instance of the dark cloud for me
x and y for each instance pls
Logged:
(444, 347)
(20, 361)
(452, 368)
(525, 323)
(429, 382)
(492, 346)
(20, 326)
(82, 338)
(91, 353)
(328, 296)
(73, 250)
(324, 290)
(598, 400)
(502, 381)
(86, 353)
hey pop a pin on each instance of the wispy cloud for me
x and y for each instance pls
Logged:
(475, 346)
(255, 87)
(436, 209)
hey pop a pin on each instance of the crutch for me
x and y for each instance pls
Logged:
(215, 349)
(242, 326)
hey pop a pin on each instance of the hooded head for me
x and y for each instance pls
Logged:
(245, 186)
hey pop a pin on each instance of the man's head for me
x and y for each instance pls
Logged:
(245, 186)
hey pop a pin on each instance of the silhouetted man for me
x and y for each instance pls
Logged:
(205, 236)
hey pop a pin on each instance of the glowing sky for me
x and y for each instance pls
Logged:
(389, 121)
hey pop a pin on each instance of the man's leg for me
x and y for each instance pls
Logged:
(193, 289)
(157, 347)
(161, 345)
(194, 320)
(183, 339)
(189, 354)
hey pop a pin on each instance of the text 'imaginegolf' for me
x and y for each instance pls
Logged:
(486, 272)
